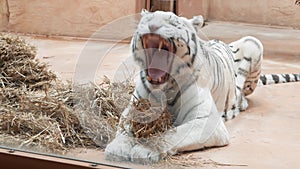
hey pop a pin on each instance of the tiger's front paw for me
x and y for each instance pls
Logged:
(145, 155)
(244, 104)
(119, 149)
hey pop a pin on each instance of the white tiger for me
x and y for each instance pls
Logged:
(248, 57)
(201, 81)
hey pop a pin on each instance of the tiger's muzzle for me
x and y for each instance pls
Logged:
(160, 53)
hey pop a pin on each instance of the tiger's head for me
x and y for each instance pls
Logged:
(164, 45)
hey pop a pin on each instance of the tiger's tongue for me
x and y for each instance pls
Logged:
(155, 74)
(158, 67)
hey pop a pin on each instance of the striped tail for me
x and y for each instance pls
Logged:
(268, 79)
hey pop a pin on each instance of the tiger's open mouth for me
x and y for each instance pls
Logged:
(159, 55)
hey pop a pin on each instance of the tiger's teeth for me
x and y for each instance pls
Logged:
(159, 80)
(149, 78)
(144, 41)
(160, 45)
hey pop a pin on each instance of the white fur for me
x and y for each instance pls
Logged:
(245, 49)
(197, 115)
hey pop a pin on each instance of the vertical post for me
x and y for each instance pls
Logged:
(171, 7)
(139, 5)
(163, 5)
(148, 5)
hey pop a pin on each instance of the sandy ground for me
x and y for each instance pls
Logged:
(265, 136)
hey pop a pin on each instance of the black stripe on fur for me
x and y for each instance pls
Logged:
(196, 48)
(287, 77)
(296, 77)
(143, 78)
(275, 78)
(247, 59)
(238, 49)
(237, 60)
(263, 79)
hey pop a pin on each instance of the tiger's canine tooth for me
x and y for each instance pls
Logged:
(159, 80)
(149, 78)
(160, 45)
(144, 44)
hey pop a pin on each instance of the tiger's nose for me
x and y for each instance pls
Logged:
(153, 27)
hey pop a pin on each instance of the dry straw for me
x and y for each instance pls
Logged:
(38, 109)
(147, 121)
(40, 112)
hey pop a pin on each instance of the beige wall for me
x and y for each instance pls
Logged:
(82, 18)
(273, 12)
(4, 14)
(267, 12)
(189, 8)
(64, 17)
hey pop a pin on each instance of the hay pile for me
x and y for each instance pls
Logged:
(191, 160)
(99, 108)
(33, 110)
(146, 121)
(39, 110)
(18, 67)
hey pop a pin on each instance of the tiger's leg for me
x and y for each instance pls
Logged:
(248, 57)
(203, 127)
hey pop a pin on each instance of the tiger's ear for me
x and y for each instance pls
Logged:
(144, 12)
(197, 22)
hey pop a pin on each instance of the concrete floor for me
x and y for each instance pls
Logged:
(265, 136)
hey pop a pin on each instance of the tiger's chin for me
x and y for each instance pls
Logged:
(160, 53)
(158, 81)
